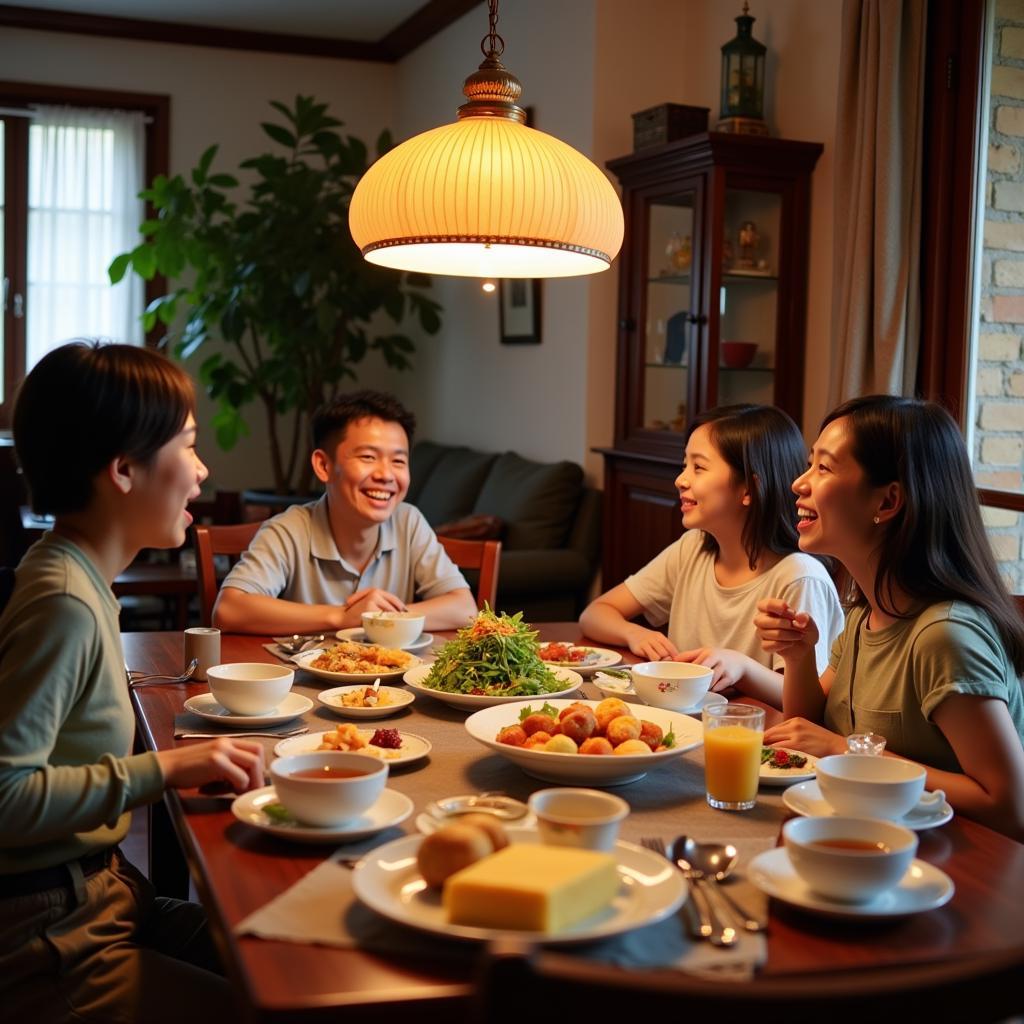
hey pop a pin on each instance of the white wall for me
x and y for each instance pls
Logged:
(216, 96)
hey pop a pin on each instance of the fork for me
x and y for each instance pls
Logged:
(233, 735)
(137, 678)
(695, 910)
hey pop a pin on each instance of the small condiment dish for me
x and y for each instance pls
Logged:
(249, 688)
(328, 787)
(870, 787)
(673, 685)
(393, 629)
(849, 859)
(584, 818)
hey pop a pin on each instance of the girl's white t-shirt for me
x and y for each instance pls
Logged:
(679, 587)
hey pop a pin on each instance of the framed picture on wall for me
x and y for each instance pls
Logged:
(519, 303)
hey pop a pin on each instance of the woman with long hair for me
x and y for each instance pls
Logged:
(932, 654)
(739, 547)
(105, 436)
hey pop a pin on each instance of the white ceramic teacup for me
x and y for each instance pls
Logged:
(393, 629)
(849, 859)
(585, 818)
(249, 688)
(673, 685)
(314, 797)
(870, 787)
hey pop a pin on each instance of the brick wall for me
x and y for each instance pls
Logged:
(999, 371)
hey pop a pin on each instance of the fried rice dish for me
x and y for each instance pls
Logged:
(362, 658)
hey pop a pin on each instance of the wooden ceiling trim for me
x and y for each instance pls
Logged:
(424, 23)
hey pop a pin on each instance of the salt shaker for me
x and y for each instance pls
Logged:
(865, 743)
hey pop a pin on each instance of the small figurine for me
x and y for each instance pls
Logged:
(683, 257)
(749, 239)
(675, 244)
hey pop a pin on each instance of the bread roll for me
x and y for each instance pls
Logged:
(489, 824)
(451, 849)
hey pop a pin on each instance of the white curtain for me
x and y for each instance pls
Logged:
(85, 173)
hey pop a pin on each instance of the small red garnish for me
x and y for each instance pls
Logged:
(387, 738)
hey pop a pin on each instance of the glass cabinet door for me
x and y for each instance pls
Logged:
(748, 297)
(669, 287)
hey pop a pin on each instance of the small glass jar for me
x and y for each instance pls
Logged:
(865, 743)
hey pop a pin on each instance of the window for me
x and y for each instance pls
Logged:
(73, 166)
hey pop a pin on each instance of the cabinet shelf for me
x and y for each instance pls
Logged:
(728, 277)
(721, 369)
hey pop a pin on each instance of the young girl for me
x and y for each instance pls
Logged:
(739, 547)
(931, 656)
(106, 440)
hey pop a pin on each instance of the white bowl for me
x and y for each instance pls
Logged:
(612, 687)
(584, 818)
(675, 685)
(870, 787)
(249, 688)
(326, 801)
(393, 629)
(582, 769)
(843, 873)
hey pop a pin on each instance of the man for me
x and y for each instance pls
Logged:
(358, 549)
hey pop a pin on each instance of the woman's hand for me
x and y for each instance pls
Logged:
(649, 644)
(728, 666)
(808, 738)
(239, 763)
(785, 631)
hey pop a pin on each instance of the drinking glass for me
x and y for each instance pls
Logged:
(865, 743)
(733, 736)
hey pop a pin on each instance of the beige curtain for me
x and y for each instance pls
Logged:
(878, 158)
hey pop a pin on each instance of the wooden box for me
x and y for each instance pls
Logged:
(666, 123)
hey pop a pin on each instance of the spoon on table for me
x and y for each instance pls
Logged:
(294, 643)
(715, 861)
(712, 927)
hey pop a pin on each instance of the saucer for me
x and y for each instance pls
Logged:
(355, 633)
(709, 700)
(805, 799)
(923, 887)
(390, 809)
(205, 706)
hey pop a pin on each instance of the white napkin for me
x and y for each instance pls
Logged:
(322, 909)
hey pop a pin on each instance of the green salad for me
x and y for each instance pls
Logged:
(495, 656)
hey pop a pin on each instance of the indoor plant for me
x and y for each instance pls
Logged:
(273, 283)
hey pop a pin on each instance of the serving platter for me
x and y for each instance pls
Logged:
(415, 679)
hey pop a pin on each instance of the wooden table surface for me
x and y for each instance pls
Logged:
(237, 870)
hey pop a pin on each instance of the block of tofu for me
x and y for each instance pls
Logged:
(531, 888)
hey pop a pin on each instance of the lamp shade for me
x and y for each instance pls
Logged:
(487, 196)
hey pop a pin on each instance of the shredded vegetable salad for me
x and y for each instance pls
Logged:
(495, 656)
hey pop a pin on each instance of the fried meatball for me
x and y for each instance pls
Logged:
(513, 735)
(609, 708)
(574, 706)
(579, 725)
(538, 739)
(538, 723)
(623, 728)
(560, 745)
(632, 747)
(595, 745)
(651, 734)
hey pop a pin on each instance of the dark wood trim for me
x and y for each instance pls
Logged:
(15, 258)
(953, 93)
(1001, 499)
(426, 22)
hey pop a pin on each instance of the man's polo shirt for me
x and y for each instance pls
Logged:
(294, 557)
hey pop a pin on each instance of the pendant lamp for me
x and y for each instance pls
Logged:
(487, 196)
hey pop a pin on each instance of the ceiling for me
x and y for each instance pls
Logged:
(360, 29)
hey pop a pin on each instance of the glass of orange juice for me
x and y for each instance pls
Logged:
(733, 734)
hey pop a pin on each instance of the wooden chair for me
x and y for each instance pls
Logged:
(216, 540)
(477, 554)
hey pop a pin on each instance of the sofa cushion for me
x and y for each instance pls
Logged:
(537, 500)
(472, 528)
(451, 487)
(424, 456)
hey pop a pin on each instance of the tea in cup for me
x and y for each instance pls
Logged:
(328, 787)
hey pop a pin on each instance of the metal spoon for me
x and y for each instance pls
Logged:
(294, 643)
(712, 927)
(136, 678)
(716, 861)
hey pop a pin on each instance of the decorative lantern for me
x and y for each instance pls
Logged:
(743, 81)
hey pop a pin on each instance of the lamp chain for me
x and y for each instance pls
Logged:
(492, 45)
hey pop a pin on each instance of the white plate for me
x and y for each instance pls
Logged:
(355, 633)
(388, 881)
(390, 809)
(205, 706)
(332, 699)
(787, 776)
(303, 661)
(415, 677)
(427, 823)
(923, 887)
(621, 688)
(414, 748)
(583, 769)
(601, 658)
(805, 799)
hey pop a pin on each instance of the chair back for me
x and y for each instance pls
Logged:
(477, 554)
(216, 540)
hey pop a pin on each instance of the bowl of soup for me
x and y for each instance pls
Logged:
(328, 787)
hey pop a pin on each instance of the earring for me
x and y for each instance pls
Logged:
(877, 520)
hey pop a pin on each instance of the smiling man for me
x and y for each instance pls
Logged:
(359, 548)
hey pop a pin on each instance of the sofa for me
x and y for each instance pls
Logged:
(548, 521)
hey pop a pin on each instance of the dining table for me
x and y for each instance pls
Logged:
(237, 869)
